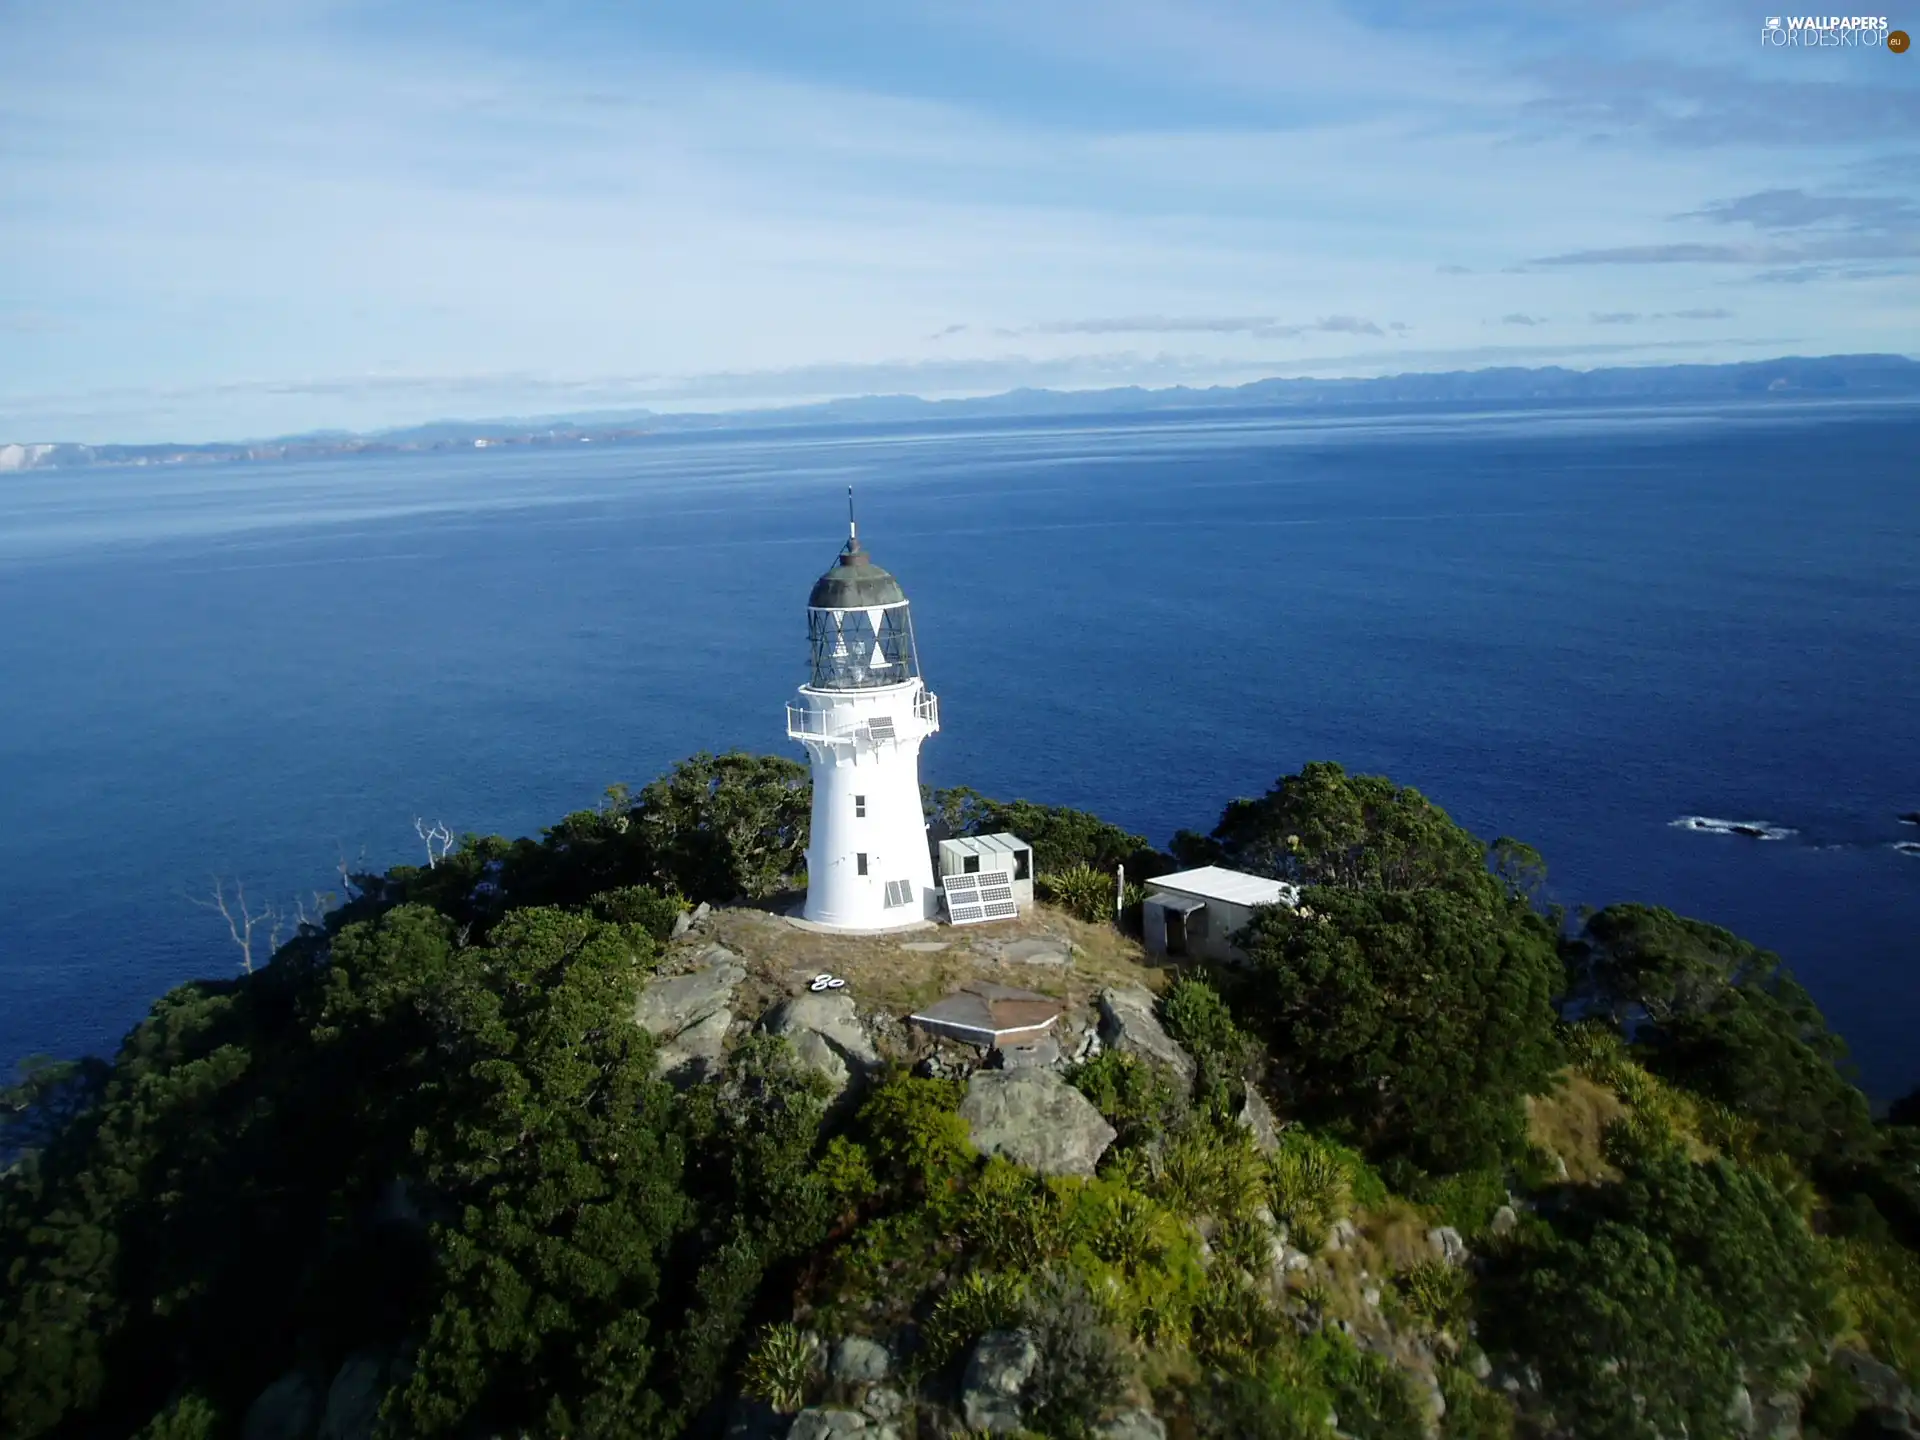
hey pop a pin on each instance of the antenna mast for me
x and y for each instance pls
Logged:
(853, 530)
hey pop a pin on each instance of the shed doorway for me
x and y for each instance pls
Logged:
(1176, 933)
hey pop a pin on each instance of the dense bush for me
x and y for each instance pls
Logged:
(1415, 1021)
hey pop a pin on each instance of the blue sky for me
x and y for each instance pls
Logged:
(231, 218)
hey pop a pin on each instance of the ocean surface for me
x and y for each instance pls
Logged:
(1573, 626)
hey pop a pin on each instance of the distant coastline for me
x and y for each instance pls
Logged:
(1836, 376)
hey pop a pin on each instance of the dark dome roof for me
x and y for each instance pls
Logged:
(854, 583)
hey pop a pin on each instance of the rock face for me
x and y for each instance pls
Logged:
(288, 1409)
(1036, 1119)
(1896, 1409)
(826, 1035)
(1133, 1425)
(353, 1400)
(997, 1370)
(860, 1361)
(689, 1015)
(826, 1424)
(1257, 1117)
(1041, 1052)
(1446, 1244)
(1128, 1024)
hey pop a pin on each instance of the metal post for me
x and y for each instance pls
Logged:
(1119, 889)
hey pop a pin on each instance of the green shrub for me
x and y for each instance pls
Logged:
(781, 1367)
(1080, 890)
(1234, 1326)
(1473, 1411)
(1307, 1188)
(652, 910)
(1008, 1216)
(1224, 1054)
(1083, 1366)
(1209, 1171)
(914, 1131)
(1133, 1095)
(983, 1300)
(1371, 1397)
(1436, 1293)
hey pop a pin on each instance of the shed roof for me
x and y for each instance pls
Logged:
(1232, 887)
(1001, 843)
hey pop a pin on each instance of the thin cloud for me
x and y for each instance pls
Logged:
(1517, 318)
(1780, 210)
(1615, 317)
(1451, 270)
(1260, 327)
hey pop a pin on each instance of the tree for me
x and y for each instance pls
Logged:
(1680, 1281)
(720, 826)
(1062, 838)
(1326, 827)
(561, 1176)
(1415, 1021)
(1724, 1018)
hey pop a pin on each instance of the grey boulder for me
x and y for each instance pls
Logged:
(288, 1409)
(1035, 1119)
(826, 1035)
(998, 1369)
(689, 1015)
(1133, 1425)
(818, 1424)
(353, 1400)
(1128, 1024)
(1041, 1051)
(860, 1361)
(1257, 1119)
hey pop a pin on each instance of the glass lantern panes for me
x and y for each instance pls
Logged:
(861, 649)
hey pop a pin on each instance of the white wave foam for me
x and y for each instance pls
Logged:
(1908, 847)
(1752, 829)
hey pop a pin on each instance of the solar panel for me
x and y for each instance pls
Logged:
(881, 727)
(986, 895)
(899, 892)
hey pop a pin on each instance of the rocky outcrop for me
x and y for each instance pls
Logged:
(689, 1015)
(821, 1424)
(997, 1371)
(1446, 1244)
(1883, 1392)
(1036, 1119)
(1038, 1052)
(353, 1400)
(288, 1409)
(1128, 1024)
(1257, 1119)
(826, 1035)
(860, 1361)
(1133, 1425)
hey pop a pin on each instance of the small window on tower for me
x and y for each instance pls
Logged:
(860, 862)
(1022, 864)
(970, 865)
(859, 807)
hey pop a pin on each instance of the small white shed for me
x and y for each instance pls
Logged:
(982, 854)
(1193, 914)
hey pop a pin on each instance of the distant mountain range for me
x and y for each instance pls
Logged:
(1878, 376)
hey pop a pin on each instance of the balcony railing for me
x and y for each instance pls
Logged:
(806, 723)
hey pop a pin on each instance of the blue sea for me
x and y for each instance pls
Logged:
(1572, 626)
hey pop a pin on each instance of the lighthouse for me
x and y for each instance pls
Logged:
(862, 715)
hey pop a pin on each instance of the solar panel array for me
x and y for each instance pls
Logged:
(881, 727)
(974, 898)
(899, 892)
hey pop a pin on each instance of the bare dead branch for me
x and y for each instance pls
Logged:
(436, 837)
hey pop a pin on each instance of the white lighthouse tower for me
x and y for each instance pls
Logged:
(862, 715)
